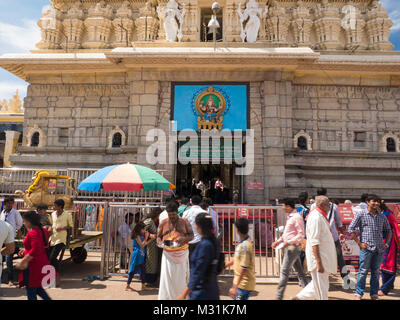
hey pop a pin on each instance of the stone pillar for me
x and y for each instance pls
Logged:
(11, 143)
(274, 93)
(143, 113)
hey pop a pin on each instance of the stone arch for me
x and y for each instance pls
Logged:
(302, 135)
(383, 144)
(116, 131)
(33, 133)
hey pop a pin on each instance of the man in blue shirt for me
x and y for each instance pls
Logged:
(372, 224)
(13, 217)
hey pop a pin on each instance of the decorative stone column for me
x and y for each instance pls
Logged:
(232, 23)
(73, 27)
(123, 26)
(50, 25)
(328, 26)
(98, 26)
(277, 26)
(354, 31)
(147, 24)
(302, 25)
(378, 28)
(9, 149)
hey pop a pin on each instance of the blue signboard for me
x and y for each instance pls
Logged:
(210, 106)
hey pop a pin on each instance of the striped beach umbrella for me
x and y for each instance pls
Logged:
(126, 177)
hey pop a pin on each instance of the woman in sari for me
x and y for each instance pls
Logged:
(389, 263)
(151, 264)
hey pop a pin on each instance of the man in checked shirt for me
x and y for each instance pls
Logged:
(371, 223)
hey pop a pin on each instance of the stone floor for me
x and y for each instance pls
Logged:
(72, 287)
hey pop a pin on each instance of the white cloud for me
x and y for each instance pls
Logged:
(19, 38)
(8, 89)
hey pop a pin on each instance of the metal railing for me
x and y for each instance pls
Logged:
(117, 245)
(263, 221)
(12, 179)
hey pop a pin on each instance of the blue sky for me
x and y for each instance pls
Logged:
(19, 33)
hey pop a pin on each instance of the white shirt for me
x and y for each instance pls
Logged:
(6, 236)
(14, 218)
(163, 216)
(190, 215)
(318, 232)
(334, 219)
(124, 231)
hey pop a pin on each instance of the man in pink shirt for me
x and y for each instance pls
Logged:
(291, 241)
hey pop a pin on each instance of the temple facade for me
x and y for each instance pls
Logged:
(317, 80)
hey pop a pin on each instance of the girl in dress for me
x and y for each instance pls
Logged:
(140, 240)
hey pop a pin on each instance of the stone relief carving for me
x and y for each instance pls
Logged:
(171, 15)
(86, 90)
(147, 24)
(343, 92)
(322, 24)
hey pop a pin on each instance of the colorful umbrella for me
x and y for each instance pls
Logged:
(125, 177)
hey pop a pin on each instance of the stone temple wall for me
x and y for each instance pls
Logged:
(77, 120)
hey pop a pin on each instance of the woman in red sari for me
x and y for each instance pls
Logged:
(34, 258)
(389, 263)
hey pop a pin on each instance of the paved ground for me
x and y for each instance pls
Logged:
(72, 287)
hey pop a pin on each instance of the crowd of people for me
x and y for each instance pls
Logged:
(178, 250)
(311, 234)
(45, 236)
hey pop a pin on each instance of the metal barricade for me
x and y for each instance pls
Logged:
(12, 179)
(90, 217)
(117, 243)
(263, 221)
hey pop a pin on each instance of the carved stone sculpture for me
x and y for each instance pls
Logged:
(353, 25)
(378, 27)
(251, 16)
(98, 25)
(73, 27)
(123, 25)
(171, 16)
(147, 24)
(277, 25)
(328, 26)
(301, 24)
(50, 25)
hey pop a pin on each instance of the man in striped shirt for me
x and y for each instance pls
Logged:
(372, 224)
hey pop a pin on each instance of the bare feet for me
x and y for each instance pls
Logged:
(374, 298)
(357, 298)
(129, 288)
(380, 293)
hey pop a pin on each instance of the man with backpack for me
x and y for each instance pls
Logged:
(336, 225)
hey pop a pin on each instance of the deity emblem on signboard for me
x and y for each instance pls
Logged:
(210, 104)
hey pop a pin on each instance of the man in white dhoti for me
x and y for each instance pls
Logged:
(320, 252)
(173, 236)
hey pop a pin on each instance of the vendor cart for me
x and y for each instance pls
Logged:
(46, 189)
